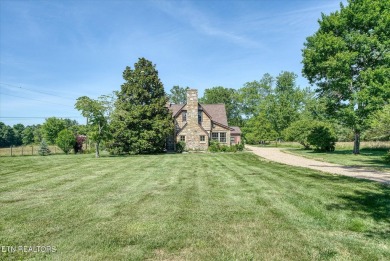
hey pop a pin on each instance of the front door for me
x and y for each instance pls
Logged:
(170, 143)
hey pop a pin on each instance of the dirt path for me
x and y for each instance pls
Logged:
(275, 154)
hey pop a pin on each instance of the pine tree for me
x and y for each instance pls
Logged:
(43, 149)
(141, 121)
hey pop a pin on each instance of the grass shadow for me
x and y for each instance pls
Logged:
(373, 201)
(367, 203)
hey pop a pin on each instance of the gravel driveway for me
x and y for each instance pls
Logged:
(275, 154)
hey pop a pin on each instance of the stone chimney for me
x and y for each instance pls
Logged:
(192, 106)
(193, 130)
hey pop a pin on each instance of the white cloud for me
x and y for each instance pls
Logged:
(185, 12)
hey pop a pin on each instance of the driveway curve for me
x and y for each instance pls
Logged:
(275, 154)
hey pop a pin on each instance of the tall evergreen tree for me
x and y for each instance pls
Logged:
(141, 121)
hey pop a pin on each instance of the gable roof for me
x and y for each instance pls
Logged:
(175, 108)
(235, 130)
(217, 112)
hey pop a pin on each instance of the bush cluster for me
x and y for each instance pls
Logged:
(322, 138)
(320, 135)
(180, 146)
(215, 146)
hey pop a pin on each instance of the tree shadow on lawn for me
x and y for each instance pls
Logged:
(365, 203)
(372, 199)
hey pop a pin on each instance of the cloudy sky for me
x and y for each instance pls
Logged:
(52, 52)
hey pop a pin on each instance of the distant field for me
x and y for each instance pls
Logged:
(364, 145)
(27, 150)
(195, 206)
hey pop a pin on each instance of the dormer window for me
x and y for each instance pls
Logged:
(184, 116)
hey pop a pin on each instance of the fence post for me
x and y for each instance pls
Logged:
(22, 151)
(11, 150)
(32, 150)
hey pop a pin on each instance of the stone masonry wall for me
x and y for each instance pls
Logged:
(193, 131)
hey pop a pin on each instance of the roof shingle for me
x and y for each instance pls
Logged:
(217, 111)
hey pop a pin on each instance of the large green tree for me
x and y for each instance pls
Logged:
(97, 113)
(273, 103)
(227, 96)
(283, 105)
(7, 135)
(18, 130)
(258, 128)
(348, 58)
(28, 134)
(65, 140)
(380, 124)
(252, 94)
(141, 121)
(178, 95)
(53, 126)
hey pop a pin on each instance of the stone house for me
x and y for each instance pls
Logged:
(196, 124)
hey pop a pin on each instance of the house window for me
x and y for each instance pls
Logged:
(182, 138)
(222, 137)
(200, 116)
(219, 136)
(202, 138)
(184, 116)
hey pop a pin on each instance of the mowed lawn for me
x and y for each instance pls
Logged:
(188, 207)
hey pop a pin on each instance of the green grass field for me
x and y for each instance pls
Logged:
(188, 207)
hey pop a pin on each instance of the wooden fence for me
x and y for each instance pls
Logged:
(27, 150)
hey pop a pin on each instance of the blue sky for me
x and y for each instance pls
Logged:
(52, 52)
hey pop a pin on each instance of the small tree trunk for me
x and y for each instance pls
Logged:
(356, 143)
(97, 150)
